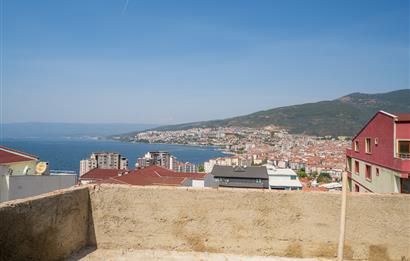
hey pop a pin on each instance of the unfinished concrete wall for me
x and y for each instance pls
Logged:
(48, 227)
(250, 222)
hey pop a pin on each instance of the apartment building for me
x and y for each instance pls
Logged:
(103, 160)
(157, 158)
(379, 160)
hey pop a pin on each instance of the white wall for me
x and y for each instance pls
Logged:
(22, 186)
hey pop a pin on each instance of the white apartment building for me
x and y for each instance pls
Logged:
(103, 160)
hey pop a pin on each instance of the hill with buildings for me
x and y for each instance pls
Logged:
(340, 117)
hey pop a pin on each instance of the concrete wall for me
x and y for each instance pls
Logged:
(251, 222)
(48, 227)
(21, 186)
(232, 221)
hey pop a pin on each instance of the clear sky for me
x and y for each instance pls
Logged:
(176, 61)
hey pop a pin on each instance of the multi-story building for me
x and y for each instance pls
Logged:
(157, 158)
(379, 160)
(103, 160)
(185, 167)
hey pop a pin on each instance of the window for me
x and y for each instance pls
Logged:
(377, 172)
(368, 145)
(404, 149)
(293, 177)
(368, 172)
(356, 145)
(356, 188)
(258, 181)
(356, 167)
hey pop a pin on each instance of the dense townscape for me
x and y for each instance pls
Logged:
(299, 152)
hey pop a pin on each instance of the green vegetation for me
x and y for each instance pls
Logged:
(324, 178)
(201, 168)
(341, 117)
(302, 174)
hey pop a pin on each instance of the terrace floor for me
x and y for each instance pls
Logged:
(125, 255)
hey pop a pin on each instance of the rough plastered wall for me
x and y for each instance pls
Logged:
(250, 222)
(48, 227)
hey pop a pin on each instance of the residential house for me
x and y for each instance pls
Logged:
(379, 160)
(240, 176)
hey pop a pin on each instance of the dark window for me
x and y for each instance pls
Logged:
(368, 145)
(356, 167)
(368, 172)
(356, 188)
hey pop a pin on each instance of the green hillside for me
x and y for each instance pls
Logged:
(343, 116)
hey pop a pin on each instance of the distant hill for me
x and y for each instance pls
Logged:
(59, 130)
(340, 117)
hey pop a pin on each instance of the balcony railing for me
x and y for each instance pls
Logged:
(403, 155)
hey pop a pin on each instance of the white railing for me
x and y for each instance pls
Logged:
(403, 155)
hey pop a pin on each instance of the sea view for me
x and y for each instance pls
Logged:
(65, 154)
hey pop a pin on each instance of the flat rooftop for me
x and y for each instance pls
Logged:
(121, 222)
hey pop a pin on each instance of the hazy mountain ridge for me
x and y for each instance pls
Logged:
(343, 116)
(59, 130)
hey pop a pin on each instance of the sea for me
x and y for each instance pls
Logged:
(64, 154)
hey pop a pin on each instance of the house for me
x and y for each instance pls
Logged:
(240, 177)
(21, 175)
(14, 162)
(379, 160)
(283, 179)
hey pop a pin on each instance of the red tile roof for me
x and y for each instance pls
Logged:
(152, 175)
(101, 174)
(8, 155)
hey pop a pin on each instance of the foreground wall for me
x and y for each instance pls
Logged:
(250, 222)
(48, 227)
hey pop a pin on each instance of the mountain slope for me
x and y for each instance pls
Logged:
(343, 116)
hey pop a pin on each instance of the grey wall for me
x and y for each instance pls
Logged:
(21, 186)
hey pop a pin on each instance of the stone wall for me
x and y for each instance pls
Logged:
(48, 227)
(232, 221)
(250, 222)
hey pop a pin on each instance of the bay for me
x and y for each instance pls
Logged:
(65, 154)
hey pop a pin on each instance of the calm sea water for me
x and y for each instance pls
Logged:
(65, 154)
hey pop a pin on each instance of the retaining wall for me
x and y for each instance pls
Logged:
(236, 221)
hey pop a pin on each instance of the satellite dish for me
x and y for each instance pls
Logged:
(26, 169)
(42, 168)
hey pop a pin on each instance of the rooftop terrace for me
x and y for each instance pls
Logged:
(118, 222)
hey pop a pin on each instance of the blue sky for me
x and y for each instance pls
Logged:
(177, 61)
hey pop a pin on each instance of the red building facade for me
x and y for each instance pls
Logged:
(379, 160)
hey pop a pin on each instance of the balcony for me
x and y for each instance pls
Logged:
(404, 156)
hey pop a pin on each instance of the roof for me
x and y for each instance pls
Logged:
(240, 172)
(403, 117)
(8, 155)
(285, 183)
(101, 174)
(374, 116)
(281, 172)
(153, 175)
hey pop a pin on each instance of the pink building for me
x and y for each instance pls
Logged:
(379, 160)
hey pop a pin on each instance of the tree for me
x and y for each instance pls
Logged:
(302, 174)
(324, 178)
(201, 168)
